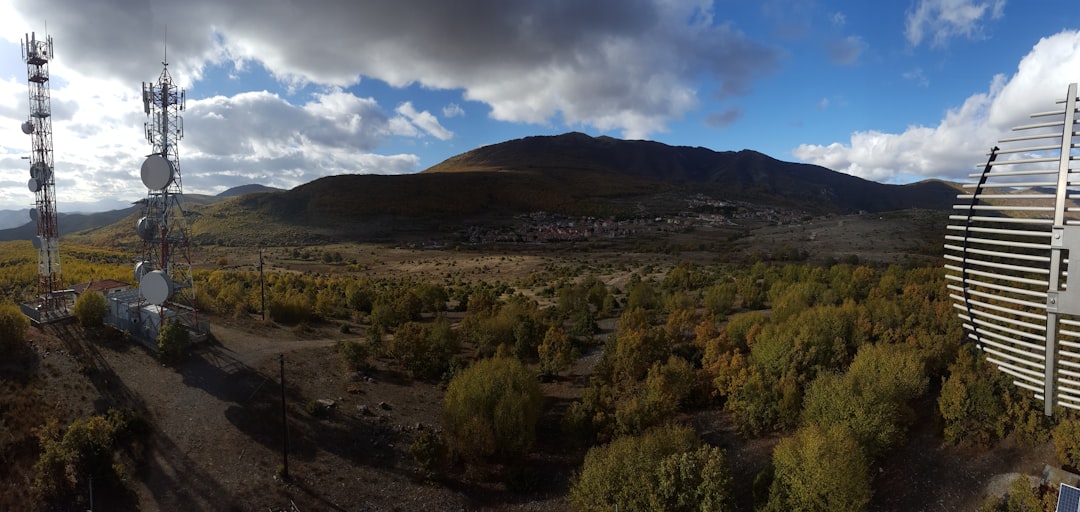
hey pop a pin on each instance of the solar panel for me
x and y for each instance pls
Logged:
(1068, 499)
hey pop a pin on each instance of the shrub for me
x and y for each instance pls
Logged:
(173, 341)
(353, 355)
(90, 309)
(13, 326)
(491, 409)
(428, 449)
(1067, 442)
(819, 470)
(664, 469)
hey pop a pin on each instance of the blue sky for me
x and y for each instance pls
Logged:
(283, 92)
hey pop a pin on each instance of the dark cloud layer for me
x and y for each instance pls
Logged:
(632, 65)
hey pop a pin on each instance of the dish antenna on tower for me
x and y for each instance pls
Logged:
(163, 269)
(51, 301)
(1008, 255)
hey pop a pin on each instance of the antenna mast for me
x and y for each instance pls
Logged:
(37, 54)
(164, 269)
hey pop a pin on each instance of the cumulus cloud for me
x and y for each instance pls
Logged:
(960, 140)
(941, 20)
(262, 138)
(424, 120)
(629, 65)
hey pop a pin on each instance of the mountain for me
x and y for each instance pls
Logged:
(74, 223)
(743, 174)
(13, 218)
(571, 174)
(253, 188)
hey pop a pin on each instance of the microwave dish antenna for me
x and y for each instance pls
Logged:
(1009, 253)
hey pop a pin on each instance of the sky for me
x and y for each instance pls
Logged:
(281, 92)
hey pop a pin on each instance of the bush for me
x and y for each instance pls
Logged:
(819, 470)
(1067, 442)
(969, 401)
(664, 469)
(173, 341)
(13, 326)
(353, 355)
(491, 409)
(85, 450)
(428, 449)
(90, 309)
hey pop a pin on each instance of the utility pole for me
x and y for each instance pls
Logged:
(262, 285)
(284, 424)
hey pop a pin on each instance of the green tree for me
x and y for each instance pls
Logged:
(354, 355)
(819, 470)
(871, 398)
(969, 402)
(173, 341)
(90, 309)
(556, 351)
(1067, 442)
(13, 326)
(664, 469)
(491, 409)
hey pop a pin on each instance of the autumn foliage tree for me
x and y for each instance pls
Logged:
(90, 309)
(490, 410)
(666, 468)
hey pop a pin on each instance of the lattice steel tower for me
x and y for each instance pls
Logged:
(164, 270)
(37, 53)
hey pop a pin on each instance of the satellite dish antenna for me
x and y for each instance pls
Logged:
(27, 127)
(141, 269)
(156, 172)
(35, 215)
(156, 287)
(40, 171)
(34, 185)
(146, 228)
(1008, 255)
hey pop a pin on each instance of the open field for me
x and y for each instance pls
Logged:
(216, 431)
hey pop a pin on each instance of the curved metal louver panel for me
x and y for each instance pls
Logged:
(1007, 255)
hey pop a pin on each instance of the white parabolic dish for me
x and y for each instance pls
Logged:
(156, 172)
(156, 287)
(34, 185)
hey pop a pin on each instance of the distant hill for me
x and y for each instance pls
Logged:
(21, 228)
(13, 218)
(253, 188)
(571, 174)
(743, 174)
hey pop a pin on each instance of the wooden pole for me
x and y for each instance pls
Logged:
(284, 424)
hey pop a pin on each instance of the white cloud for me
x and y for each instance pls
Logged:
(960, 140)
(941, 20)
(424, 120)
(453, 110)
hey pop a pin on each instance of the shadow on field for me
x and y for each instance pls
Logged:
(174, 479)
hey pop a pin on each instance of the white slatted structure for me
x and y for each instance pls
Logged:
(1007, 255)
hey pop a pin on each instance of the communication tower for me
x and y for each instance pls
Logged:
(164, 269)
(51, 301)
